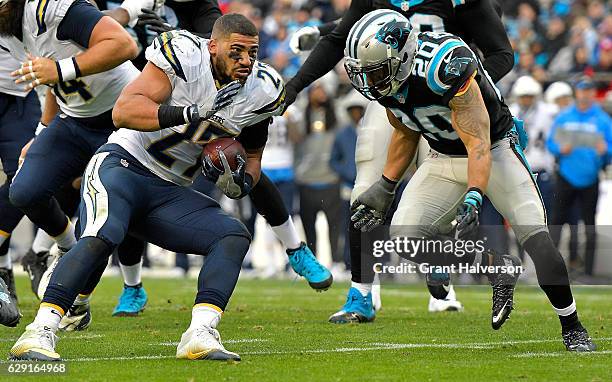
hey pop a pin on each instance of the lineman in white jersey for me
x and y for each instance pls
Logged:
(137, 181)
(83, 58)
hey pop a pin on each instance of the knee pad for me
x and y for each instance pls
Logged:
(22, 195)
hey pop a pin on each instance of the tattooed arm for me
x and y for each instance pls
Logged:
(470, 120)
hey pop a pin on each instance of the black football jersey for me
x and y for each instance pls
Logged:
(443, 64)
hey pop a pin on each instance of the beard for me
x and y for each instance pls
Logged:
(11, 19)
(219, 70)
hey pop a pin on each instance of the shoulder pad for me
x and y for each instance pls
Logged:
(178, 53)
(48, 13)
(452, 64)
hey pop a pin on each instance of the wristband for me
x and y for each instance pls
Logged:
(170, 116)
(133, 9)
(67, 69)
(41, 126)
(473, 197)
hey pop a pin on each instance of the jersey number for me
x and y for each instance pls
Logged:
(434, 123)
(263, 74)
(68, 88)
(159, 149)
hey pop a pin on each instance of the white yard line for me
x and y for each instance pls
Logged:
(559, 354)
(237, 341)
(369, 347)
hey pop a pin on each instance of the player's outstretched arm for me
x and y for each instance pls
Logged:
(470, 120)
(138, 105)
(402, 149)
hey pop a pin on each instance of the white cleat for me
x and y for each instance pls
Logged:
(55, 253)
(449, 304)
(37, 343)
(203, 343)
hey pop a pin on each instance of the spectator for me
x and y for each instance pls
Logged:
(318, 185)
(342, 161)
(581, 139)
(537, 117)
(559, 94)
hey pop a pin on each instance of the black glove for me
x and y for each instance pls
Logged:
(225, 96)
(467, 215)
(234, 184)
(153, 21)
(370, 208)
(291, 94)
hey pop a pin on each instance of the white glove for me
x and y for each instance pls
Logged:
(133, 8)
(304, 39)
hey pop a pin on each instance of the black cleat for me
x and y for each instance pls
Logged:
(438, 285)
(9, 312)
(503, 284)
(35, 264)
(578, 340)
(7, 275)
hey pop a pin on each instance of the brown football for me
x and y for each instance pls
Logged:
(230, 147)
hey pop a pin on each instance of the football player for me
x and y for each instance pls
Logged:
(198, 17)
(81, 93)
(427, 15)
(19, 114)
(433, 85)
(191, 91)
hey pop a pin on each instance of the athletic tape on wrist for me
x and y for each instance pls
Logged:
(67, 69)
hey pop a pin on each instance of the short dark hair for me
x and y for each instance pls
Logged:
(233, 23)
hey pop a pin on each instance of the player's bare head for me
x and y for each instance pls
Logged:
(233, 48)
(11, 16)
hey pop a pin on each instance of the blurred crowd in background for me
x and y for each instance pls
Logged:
(563, 49)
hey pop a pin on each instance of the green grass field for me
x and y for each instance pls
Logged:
(280, 329)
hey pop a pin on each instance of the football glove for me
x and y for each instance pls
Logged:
(467, 214)
(153, 21)
(290, 95)
(304, 39)
(234, 184)
(370, 208)
(225, 96)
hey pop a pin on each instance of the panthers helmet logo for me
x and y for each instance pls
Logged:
(394, 33)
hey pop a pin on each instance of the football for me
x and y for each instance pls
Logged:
(230, 147)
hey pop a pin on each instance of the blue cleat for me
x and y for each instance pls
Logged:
(131, 302)
(304, 263)
(357, 309)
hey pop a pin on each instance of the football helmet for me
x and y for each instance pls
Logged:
(379, 53)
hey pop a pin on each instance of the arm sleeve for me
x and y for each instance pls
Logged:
(484, 27)
(330, 49)
(254, 137)
(207, 13)
(327, 28)
(79, 22)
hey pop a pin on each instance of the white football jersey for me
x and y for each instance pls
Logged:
(174, 153)
(86, 96)
(11, 56)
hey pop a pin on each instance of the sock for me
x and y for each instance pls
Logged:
(287, 234)
(131, 273)
(364, 289)
(205, 315)
(66, 240)
(42, 242)
(82, 299)
(49, 316)
(5, 261)
(568, 317)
